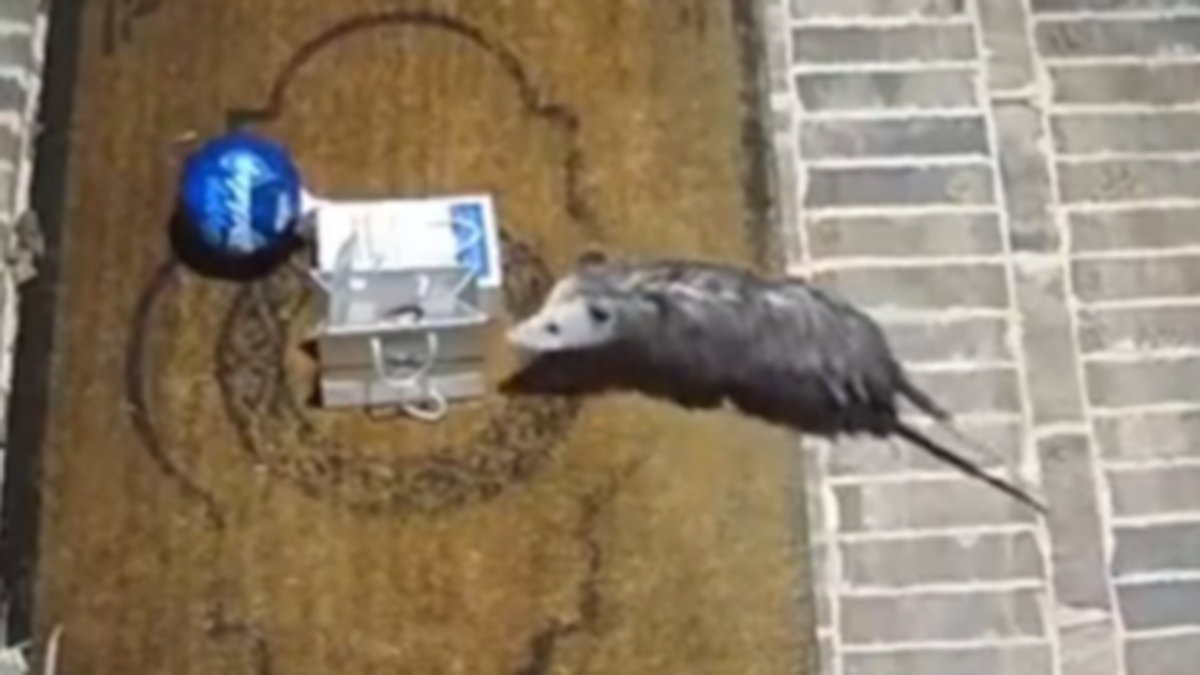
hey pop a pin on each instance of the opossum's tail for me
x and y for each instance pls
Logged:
(965, 465)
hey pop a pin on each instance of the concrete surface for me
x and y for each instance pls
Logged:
(1014, 186)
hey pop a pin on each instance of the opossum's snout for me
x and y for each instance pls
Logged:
(527, 337)
(564, 327)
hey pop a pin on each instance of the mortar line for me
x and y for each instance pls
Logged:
(901, 65)
(899, 211)
(1125, 206)
(892, 113)
(1066, 108)
(1141, 303)
(1165, 252)
(1156, 519)
(1129, 156)
(884, 22)
(1144, 410)
(1148, 465)
(938, 161)
(1158, 576)
(1140, 356)
(944, 645)
(973, 587)
(1164, 633)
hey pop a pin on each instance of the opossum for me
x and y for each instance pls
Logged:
(705, 335)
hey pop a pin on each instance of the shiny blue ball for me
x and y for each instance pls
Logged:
(241, 194)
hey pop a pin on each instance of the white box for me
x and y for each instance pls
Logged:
(398, 335)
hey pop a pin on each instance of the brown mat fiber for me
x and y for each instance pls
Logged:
(199, 517)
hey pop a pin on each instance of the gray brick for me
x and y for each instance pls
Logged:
(13, 95)
(1159, 84)
(907, 562)
(984, 390)
(1089, 649)
(899, 186)
(16, 49)
(822, 582)
(776, 50)
(1165, 604)
(1128, 180)
(1048, 338)
(7, 189)
(1010, 54)
(1153, 491)
(20, 11)
(925, 505)
(1175, 655)
(1144, 228)
(1119, 384)
(811, 465)
(1023, 660)
(1109, 5)
(971, 339)
(1175, 35)
(872, 456)
(923, 288)
(1163, 436)
(826, 44)
(894, 137)
(887, 89)
(904, 236)
(1142, 132)
(1025, 172)
(806, 9)
(12, 144)
(827, 656)
(1134, 278)
(1139, 329)
(1173, 547)
(1076, 551)
(943, 616)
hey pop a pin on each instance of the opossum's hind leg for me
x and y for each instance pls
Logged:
(966, 466)
(925, 403)
(684, 395)
(922, 401)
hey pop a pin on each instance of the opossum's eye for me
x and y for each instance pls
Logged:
(599, 314)
(553, 329)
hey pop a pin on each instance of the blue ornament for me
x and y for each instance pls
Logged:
(241, 194)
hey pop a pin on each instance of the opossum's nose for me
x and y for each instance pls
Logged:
(518, 337)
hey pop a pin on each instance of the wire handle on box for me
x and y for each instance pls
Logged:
(434, 406)
(435, 402)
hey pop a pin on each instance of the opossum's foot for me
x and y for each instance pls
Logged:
(698, 399)
(540, 378)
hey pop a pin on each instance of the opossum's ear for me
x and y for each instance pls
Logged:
(591, 256)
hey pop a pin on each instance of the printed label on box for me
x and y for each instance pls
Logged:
(395, 234)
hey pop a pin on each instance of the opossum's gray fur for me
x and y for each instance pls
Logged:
(703, 335)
